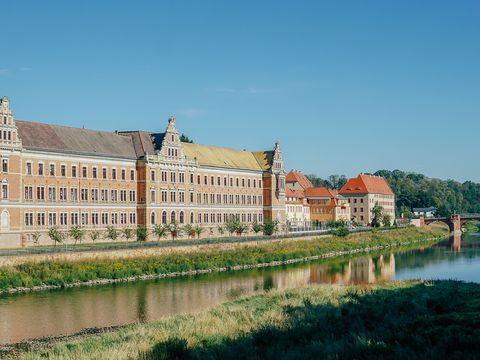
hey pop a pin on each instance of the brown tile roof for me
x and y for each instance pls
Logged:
(294, 193)
(58, 138)
(366, 184)
(145, 143)
(264, 159)
(320, 192)
(297, 176)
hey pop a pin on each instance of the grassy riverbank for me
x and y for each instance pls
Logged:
(392, 320)
(63, 273)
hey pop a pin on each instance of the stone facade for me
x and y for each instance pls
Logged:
(58, 176)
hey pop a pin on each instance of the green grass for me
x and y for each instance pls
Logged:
(395, 320)
(61, 273)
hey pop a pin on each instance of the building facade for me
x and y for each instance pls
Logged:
(326, 205)
(366, 191)
(297, 208)
(54, 175)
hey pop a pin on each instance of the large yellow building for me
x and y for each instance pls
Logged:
(54, 175)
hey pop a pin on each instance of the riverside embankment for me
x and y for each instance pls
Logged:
(77, 270)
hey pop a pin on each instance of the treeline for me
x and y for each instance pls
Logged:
(414, 190)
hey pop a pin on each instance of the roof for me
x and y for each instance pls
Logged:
(320, 192)
(145, 143)
(294, 193)
(222, 157)
(40, 136)
(429, 209)
(366, 184)
(264, 159)
(297, 176)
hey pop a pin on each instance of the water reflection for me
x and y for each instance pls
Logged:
(67, 311)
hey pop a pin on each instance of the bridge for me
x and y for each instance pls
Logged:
(454, 222)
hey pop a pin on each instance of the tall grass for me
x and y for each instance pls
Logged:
(61, 273)
(400, 320)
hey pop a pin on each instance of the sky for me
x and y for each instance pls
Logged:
(344, 86)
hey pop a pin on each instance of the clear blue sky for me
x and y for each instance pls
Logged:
(345, 86)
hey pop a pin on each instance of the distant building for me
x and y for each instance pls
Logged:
(296, 180)
(297, 208)
(363, 192)
(425, 212)
(326, 205)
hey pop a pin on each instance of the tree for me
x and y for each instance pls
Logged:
(128, 233)
(221, 229)
(189, 230)
(55, 235)
(112, 233)
(377, 215)
(184, 138)
(231, 225)
(94, 235)
(386, 220)
(270, 227)
(36, 237)
(256, 227)
(142, 233)
(198, 230)
(241, 228)
(77, 233)
(174, 229)
(160, 231)
(406, 213)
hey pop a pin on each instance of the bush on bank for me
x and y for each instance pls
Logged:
(60, 273)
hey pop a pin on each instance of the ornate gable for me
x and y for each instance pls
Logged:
(8, 130)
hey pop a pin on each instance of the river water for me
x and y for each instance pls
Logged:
(60, 312)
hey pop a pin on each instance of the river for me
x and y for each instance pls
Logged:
(59, 312)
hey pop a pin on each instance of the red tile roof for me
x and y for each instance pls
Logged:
(320, 192)
(366, 184)
(297, 176)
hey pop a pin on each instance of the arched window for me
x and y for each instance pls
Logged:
(152, 218)
(191, 218)
(181, 217)
(164, 217)
(172, 217)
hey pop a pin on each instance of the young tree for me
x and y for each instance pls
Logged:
(142, 233)
(160, 231)
(231, 225)
(94, 235)
(241, 228)
(112, 233)
(377, 215)
(198, 230)
(256, 227)
(386, 220)
(77, 233)
(174, 229)
(56, 235)
(270, 227)
(189, 230)
(36, 237)
(221, 229)
(128, 233)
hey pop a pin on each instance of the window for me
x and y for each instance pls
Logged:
(94, 172)
(29, 219)
(52, 219)
(152, 175)
(28, 193)
(191, 218)
(74, 218)
(212, 181)
(29, 168)
(52, 169)
(4, 191)
(63, 219)
(205, 180)
(84, 194)
(219, 182)
(132, 175)
(191, 178)
(164, 217)
(74, 171)
(40, 193)
(41, 219)
(52, 194)
(123, 174)
(173, 196)
(172, 217)
(5, 165)
(152, 196)
(84, 171)
(114, 174)
(63, 170)
(182, 217)
(63, 193)
(181, 177)
(73, 194)
(40, 169)
(173, 177)
(104, 173)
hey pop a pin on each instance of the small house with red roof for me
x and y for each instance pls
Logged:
(297, 209)
(364, 192)
(326, 205)
(297, 180)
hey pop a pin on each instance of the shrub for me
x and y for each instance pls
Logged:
(142, 233)
(128, 233)
(198, 230)
(342, 231)
(55, 235)
(160, 231)
(77, 233)
(256, 227)
(112, 233)
(94, 235)
(270, 227)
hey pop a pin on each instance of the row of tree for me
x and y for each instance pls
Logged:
(414, 190)
(160, 231)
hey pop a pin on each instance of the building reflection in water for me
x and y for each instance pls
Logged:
(55, 313)
(456, 242)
